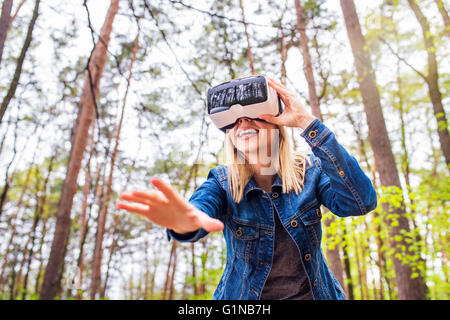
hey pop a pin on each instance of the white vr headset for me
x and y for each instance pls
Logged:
(244, 97)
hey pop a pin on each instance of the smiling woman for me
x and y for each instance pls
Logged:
(266, 150)
(266, 200)
(99, 95)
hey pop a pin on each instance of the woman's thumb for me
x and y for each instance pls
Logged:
(269, 118)
(210, 224)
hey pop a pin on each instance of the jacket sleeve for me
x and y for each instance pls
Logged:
(210, 198)
(343, 187)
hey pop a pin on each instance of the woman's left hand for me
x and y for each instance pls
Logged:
(294, 114)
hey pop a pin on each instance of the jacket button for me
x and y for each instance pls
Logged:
(307, 257)
(294, 224)
(341, 173)
(239, 232)
(315, 283)
(275, 195)
(318, 213)
(312, 134)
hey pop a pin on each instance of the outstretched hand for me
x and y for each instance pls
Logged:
(294, 114)
(168, 209)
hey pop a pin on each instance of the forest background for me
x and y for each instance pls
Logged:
(99, 96)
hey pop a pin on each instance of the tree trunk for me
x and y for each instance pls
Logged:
(444, 14)
(194, 270)
(15, 216)
(20, 60)
(406, 162)
(283, 51)
(358, 266)
(432, 81)
(147, 264)
(4, 24)
(172, 277)
(380, 260)
(40, 204)
(204, 257)
(348, 273)
(13, 278)
(8, 178)
(363, 155)
(172, 257)
(41, 258)
(249, 48)
(112, 249)
(332, 255)
(84, 216)
(90, 92)
(364, 266)
(98, 250)
(307, 65)
(408, 288)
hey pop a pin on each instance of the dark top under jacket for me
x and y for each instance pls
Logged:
(287, 279)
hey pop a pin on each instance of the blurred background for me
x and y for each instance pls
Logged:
(99, 96)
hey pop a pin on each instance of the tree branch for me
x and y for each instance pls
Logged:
(403, 60)
(220, 16)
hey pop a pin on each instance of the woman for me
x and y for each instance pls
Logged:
(269, 211)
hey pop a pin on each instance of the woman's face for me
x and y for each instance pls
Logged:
(256, 139)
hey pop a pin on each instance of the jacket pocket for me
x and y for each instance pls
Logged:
(312, 216)
(244, 239)
(311, 219)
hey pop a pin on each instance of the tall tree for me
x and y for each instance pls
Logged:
(432, 80)
(84, 211)
(98, 249)
(15, 80)
(4, 24)
(349, 288)
(247, 37)
(87, 104)
(307, 64)
(8, 178)
(408, 287)
(39, 212)
(332, 253)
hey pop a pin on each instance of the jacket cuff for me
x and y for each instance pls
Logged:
(315, 133)
(183, 237)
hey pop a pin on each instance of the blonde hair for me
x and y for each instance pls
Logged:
(290, 166)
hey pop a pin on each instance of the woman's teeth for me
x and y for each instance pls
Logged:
(247, 133)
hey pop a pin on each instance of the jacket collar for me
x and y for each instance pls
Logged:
(251, 186)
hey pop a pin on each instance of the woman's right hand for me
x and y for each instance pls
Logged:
(168, 209)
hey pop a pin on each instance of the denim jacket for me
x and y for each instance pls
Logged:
(333, 179)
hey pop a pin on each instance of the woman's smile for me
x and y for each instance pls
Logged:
(247, 133)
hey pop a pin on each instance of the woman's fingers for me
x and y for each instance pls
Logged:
(270, 118)
(284, 93)
(129, 196)
(277, 84)
(167, 209)
(165, 189)
(281, 89)
(152, 196)
(209, 224)
(134, 207)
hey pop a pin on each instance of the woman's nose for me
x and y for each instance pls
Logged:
(240, 120)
